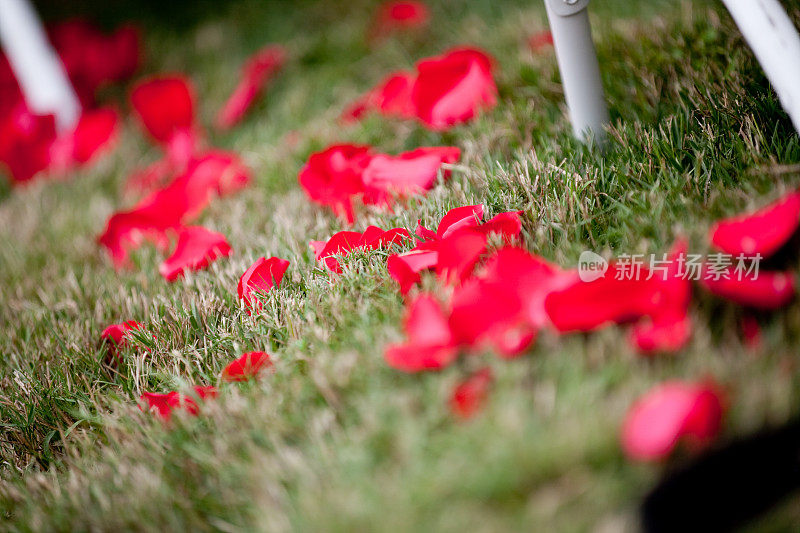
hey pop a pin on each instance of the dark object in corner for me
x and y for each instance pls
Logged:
(726, 488)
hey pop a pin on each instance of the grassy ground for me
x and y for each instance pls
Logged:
(336, 440)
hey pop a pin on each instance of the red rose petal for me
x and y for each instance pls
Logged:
(453, 88)
(458, 255)
(470, 395)
(164, 404)
(95, 131)
(165, 106)
(540, 40)
(766, 290)
(507, 225)
(459, 218)
(668, 328)
(585, 306)
(670, 413)
(391, 97)
(429, 345)
(114, 337)
(197, 248)
(25, 142)
(170, 208)
(246, 367)
(406, 174)
(762, 232)
(333, 177)
(256, 74)
(262, 276)
(343, 242)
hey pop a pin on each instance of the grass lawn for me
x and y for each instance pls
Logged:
(336, 440)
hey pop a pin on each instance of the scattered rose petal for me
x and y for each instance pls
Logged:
(262, 276)
(458, 254)
(25, 142)
(197, 248)
(538, 41)
(114, 337)
(343, 242)
(764, 290)
(164, 404)
(750, 331)
(165, 107)
(398, 15)
(429, 344)
(459, 218)
(92, 58)
(343, 173)
(405, 174)
(256, 74)
(469, 396)
(762, 232)
(669, 414)
(668, 328)
(170, 208)
(391, 97)
(453, 88)
(442, 92)
(333, 177)
(247, 367)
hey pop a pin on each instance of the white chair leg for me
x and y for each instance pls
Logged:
(38, 69)
(580, 71)
(772, 36)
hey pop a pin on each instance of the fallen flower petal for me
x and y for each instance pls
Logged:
(405, 174)
(429, 344)
(399, 15)
(540, 40)
(391, 97)
(246, 367)
(458, 254)
(165, 107)
(164, 404)
(459, 218)
(764, 290)
(453, 88)
(469, 396)
(262, 276)
(507, 225)
(197, 248)
(762, 232)
(256, 74)
(671, 413)
(25, 142)
(344, 242)
(170, 208)
(114, 337)
(333, 177)
(667, 328)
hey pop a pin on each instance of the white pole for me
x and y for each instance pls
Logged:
(38, 69)
(580, 72)
(772, 36)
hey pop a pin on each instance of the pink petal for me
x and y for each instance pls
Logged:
(256, 74)
(767, 290)
(262, 276)
(165, 106)
(459, 218)
(762, 232)
(453, 88)
(246, 367)
(469, 396)
(458, 255)
(670, 413)
(197, 248)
